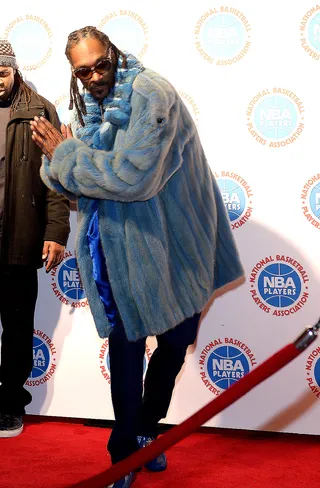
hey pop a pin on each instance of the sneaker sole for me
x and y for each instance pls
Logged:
(11, 433)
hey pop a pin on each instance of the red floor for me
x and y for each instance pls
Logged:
(58, 455)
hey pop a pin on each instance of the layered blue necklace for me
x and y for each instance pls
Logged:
(114, 110)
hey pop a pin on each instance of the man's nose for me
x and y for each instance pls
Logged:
(96, 76)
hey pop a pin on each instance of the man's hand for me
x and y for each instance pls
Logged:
(46, 136)
(66, 131)
(52, 253)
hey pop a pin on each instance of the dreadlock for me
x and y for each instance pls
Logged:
(73, 39)
(22, 93)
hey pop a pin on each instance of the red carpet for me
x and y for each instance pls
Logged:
(58, 454)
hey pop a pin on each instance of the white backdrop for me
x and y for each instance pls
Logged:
(250, 79)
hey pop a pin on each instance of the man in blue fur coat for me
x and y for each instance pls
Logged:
(154, 240)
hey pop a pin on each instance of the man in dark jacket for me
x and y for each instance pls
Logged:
(34, 228)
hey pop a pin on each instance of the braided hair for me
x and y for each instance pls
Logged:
(73, 39)
(22, 92)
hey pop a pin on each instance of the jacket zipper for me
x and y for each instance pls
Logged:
(4, 239)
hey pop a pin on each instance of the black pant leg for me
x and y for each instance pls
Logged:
(18, 295)
(164, 366)
(126, 368)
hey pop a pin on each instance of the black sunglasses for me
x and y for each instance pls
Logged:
(85, 74)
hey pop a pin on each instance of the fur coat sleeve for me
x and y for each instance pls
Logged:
(151, 151)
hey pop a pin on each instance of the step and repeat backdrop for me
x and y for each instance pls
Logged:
(250, 78)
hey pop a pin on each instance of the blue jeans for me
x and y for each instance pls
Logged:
(138, 411)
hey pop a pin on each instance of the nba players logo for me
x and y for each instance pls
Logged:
(66, 282)
(31, 39)
(43, 359)
(104, 358)
(237, 197)
(275, 117)
(126, 28)
(279, 285)
(312, 370)
(310, 32)
(223, 362)
(222, 36)
(310, 197)
(104, 361)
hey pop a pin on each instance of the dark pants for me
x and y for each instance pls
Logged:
(138, 412)
(18, 295)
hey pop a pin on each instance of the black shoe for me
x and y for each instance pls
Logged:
(10, 425)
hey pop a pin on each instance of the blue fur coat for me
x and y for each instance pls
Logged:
(164, 228)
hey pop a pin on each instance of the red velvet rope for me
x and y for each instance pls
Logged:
(179, 432)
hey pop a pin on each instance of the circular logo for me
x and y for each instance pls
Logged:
(127, 30)
(312, 370)
(62, 108)
(275, 117)
(310, 197)
(43, 359)
(31, 39)
(191, 105)
(66, 282)
(223, 362)
(104, 358)
(222, 36)
(279, 285)
(237, 197)
(310, 32)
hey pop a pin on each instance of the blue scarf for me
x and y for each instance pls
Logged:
(99, 134)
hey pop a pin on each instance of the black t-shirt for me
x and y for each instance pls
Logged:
(4, 119)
